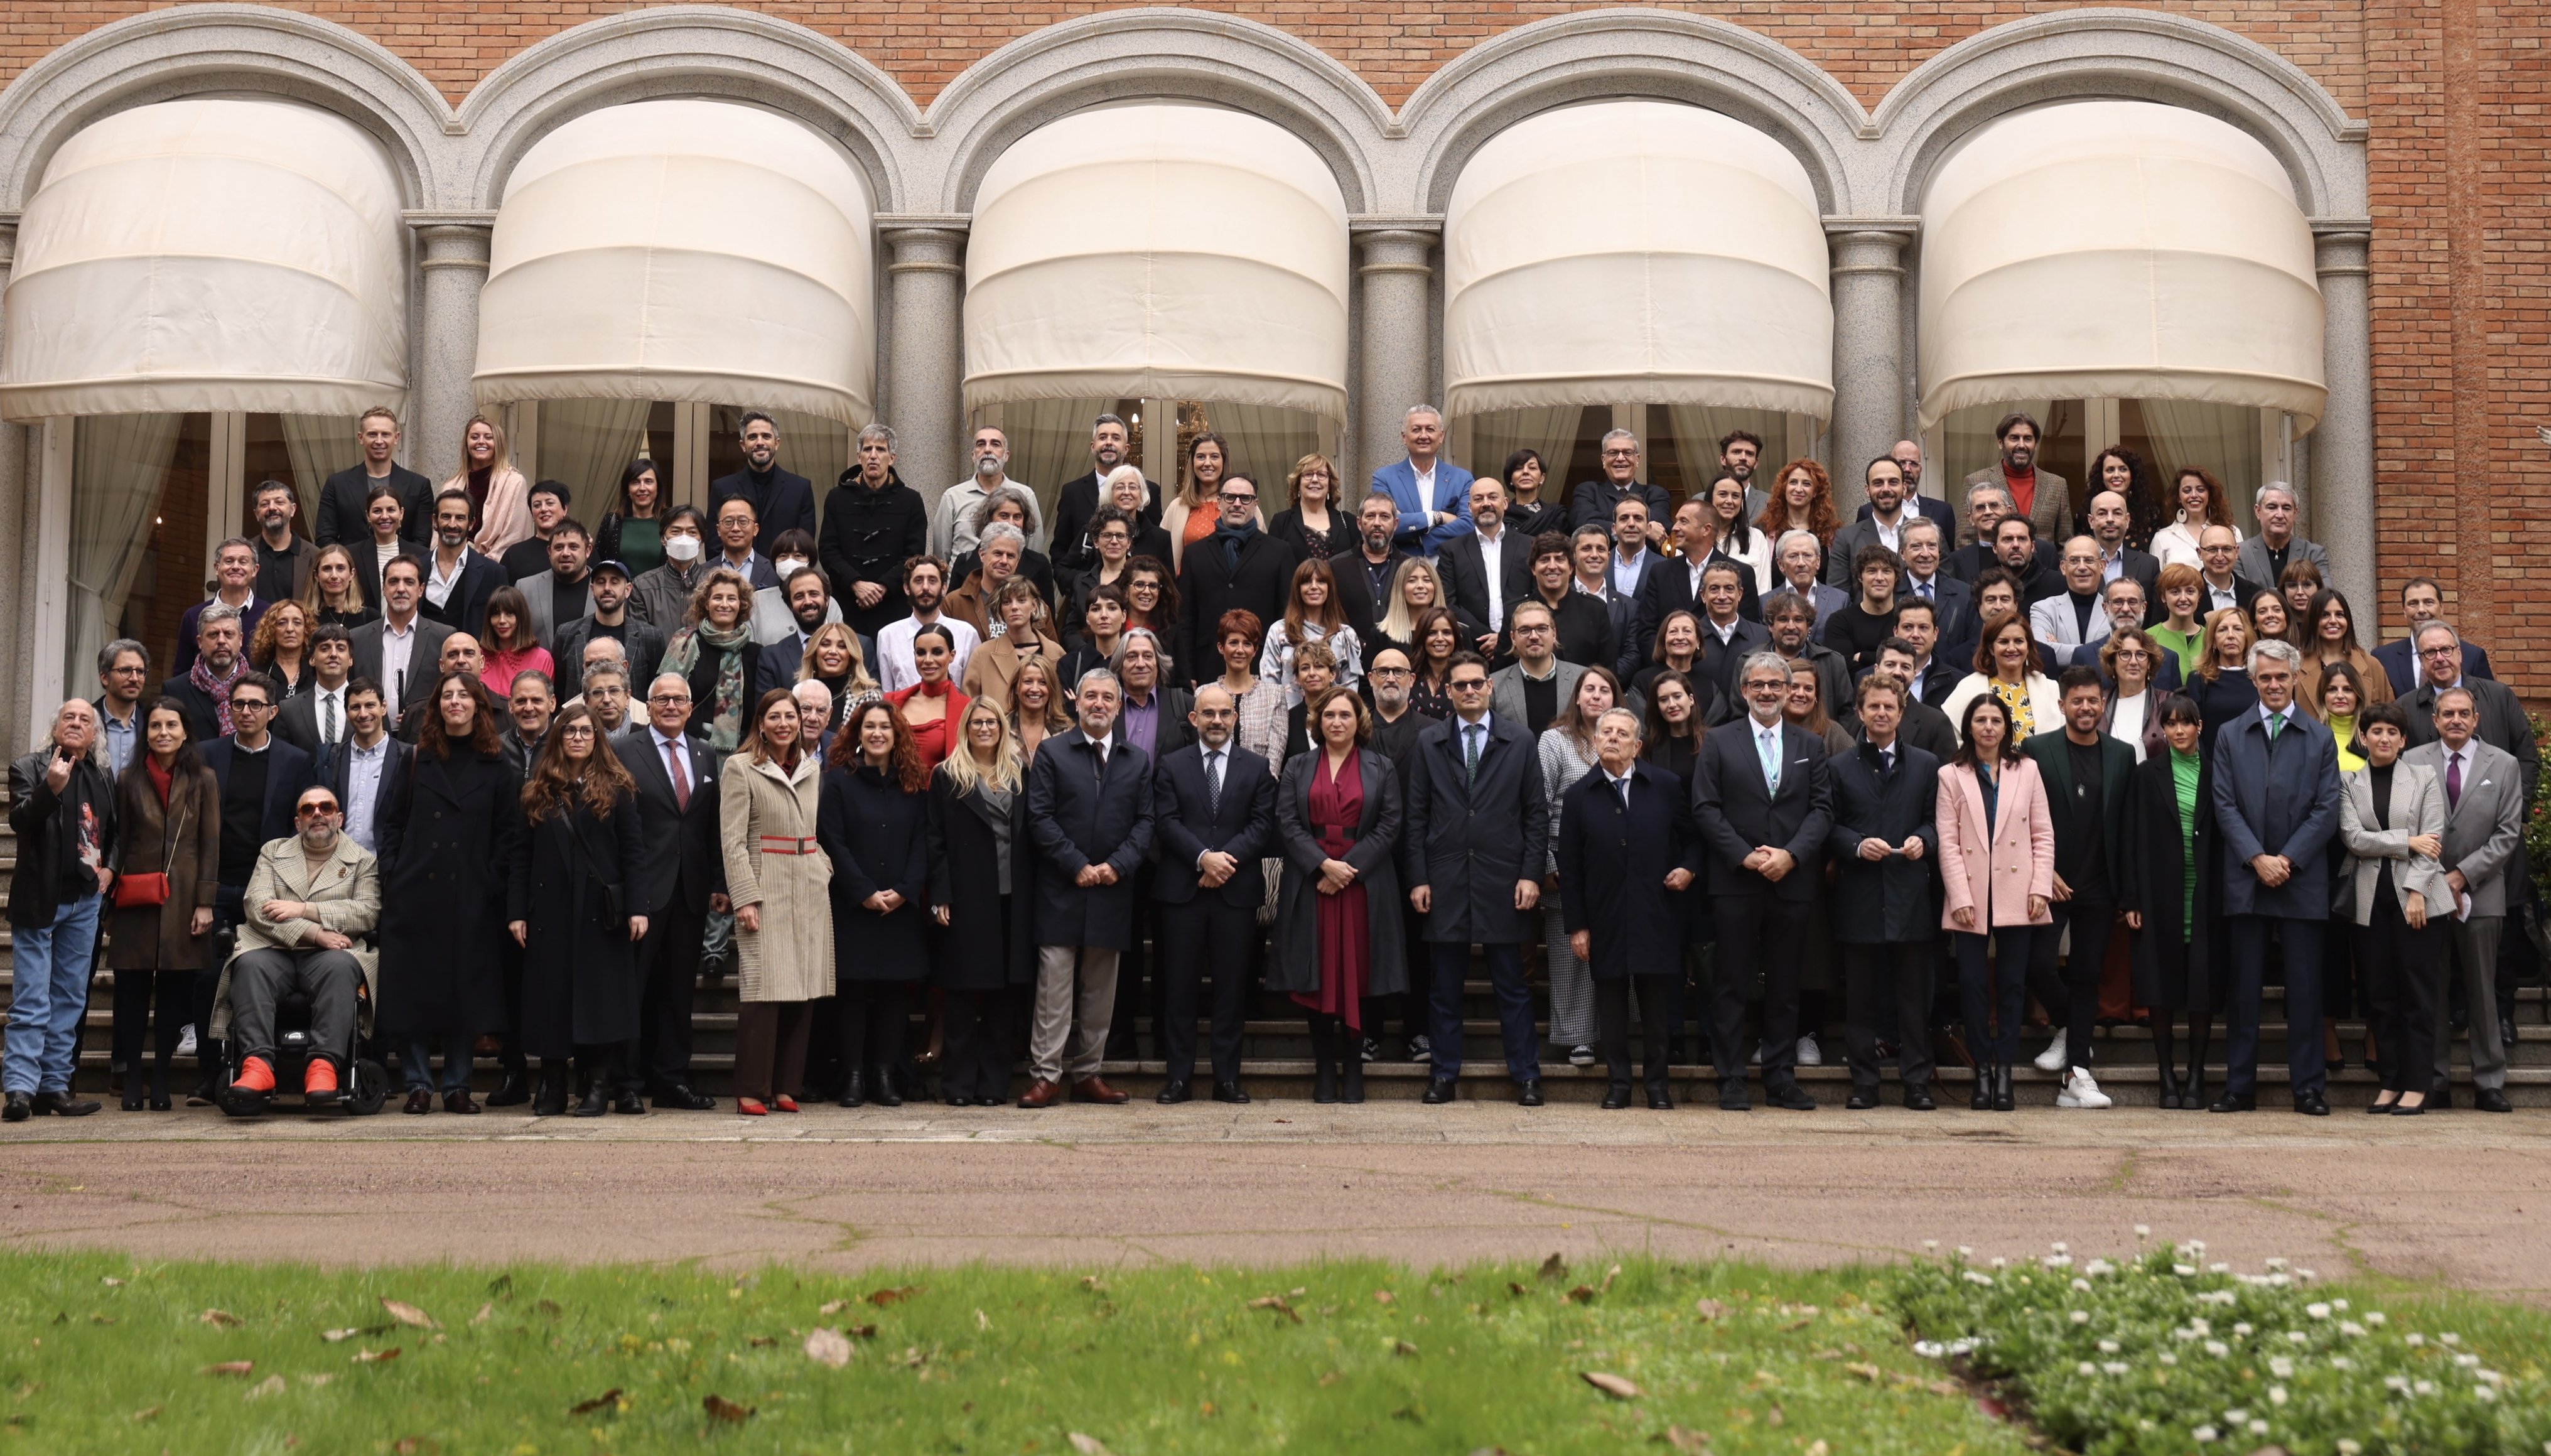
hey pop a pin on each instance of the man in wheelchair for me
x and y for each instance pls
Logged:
(312, 902)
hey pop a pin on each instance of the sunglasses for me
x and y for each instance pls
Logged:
(314, 811)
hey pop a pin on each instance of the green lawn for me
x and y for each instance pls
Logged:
(99, 1354)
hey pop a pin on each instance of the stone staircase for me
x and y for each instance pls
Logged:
(1276, 1052)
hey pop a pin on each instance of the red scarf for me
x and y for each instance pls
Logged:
(158, 778)
(2023, 489)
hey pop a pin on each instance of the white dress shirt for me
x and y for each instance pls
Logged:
(895, 670)
(327, 714)
(1493, 555)
(397, 647)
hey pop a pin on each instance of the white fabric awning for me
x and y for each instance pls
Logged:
(209, 255)
(694, 250)
(1159, 252)
(2118, 250)
(1636, 252)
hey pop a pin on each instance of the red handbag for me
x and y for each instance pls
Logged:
(149, 889)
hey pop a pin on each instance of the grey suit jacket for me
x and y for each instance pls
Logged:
(2482, 828)
(1505, 690)
(2252, 562)
(2417, 808)
(540, 593)
(1846, 544)
(422, 656)
(2049, 514)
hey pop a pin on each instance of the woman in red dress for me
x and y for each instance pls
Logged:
(932, 707)
(1338, 929)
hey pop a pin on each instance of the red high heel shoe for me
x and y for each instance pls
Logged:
(749, 1108)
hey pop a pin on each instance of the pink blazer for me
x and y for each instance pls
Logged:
(2018, 855)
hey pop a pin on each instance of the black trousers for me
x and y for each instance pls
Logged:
(669, 967)
(873, 1019)
(1887, 987)
(230, 907)
(981, 1041)
(1138, 994)
(2073, 993)
(509, 1042)
(2401, 969)
(1759, 936)
(135, 993)
(1206, 936)
(1656, 1025)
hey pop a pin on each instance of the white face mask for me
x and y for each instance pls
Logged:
(682, 547)
(788, 565)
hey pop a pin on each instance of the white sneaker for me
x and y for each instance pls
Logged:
(1810, 1053)
(186, 1042)
(2081, 1091)
(1581, 1056)
(2052, 1059)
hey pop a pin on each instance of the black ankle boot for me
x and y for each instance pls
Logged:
(2003, 1098)
(854, 1091)
(881, 1089)
(1351, 1075)
(596, 1100)
(1324, 1060)
(515, 1091)
(552, 1100)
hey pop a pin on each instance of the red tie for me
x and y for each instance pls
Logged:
(681, 780)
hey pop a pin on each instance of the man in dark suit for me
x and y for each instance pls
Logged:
(2105, 523)
(2499, 722)
(2485, 793)
(2422, 601)
(1924, 581)
(1726, 639)
(2220, 583)
(368, 770)
(1238, 565)
(1365, 572)
(642, 642)
(1487, 569)
(1763, 801)
(1987, 506)
(780, 501)
(1214, 819)
(1089, 811)
(1883, 479)
(1917, 723)
(1885, 912)
(1472, 850)
(401, 650)
(1627, 856)
(676, 884)
(219, 657)
(2085, 774)
(315, 720)
(1907, 456)
(1930, 674)
(458, 579)
(872, 524)
(343, 500)
(1674, 584)
(1592, 501)
(1068, 543)
(2276, 796)
(1590, 549)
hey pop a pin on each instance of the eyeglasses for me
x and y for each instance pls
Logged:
(669, 698)
(314, 811)
(1240, 498)
(1391, 673)
(1618, 453)
(242, 705)
(576, 730)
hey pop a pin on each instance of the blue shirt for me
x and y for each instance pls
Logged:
(120, 738)
(363, 767)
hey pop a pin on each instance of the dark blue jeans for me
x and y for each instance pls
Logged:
(1995, 995)
(1515, 1009)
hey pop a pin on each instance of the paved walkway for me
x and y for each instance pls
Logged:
(2463, 1197)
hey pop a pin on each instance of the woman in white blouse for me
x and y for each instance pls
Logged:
(2129, 660)
(2201, 503)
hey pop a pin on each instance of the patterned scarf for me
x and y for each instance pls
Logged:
(726, 729)
(217, 688)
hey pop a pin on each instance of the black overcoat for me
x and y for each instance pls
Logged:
(446, 844)
(1294, 965)
(580, 967)
(1613, 860)
(1080, 814)
(878, 838)
(2173, 970)
(1470, 840)
(980, 949)
(1894, 901)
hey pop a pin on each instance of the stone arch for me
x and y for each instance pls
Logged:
(1158, 54)
(2123, 55)
(167, 55)
(706, 50)
(1626, 54)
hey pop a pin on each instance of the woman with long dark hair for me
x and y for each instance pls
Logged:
(1439, 636)
(2122, 470)
(1567, 752)
(2328, 635)
(1997, 867)
(2007, 670)
(1189, 514)
(982, 867)
(1311, 614)
(1338, 925)
(873, 827)
(1151, 594)
(445, 841)
(168, 823)
(2173, 882)
(931, 707)
(2199, 501)
(1736, 538)
(507, 646)
(769, 803)
(631, 532)
(567, 909)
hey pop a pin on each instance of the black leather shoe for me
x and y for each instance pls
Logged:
(629, 1104)
(2312, 1104)
(1615, 1098)
(1528, 1093)
(21, 1107)
(1917, 1098)
(420, 1101)
(679, 1095)
(1174, 1093)
(2404, 1110)
(992, 1101)
(63, 1104)
(135, 1099)
(1980, 1099)
(1732, 1097)
(2234, 1102)
(882, 1089)
(2441, 1098)
(595, 1103)
(1438, 1092)
(2488, 1099)
(2004, 1098)
(1790, 1097)
(855, 1091)
(1229, 1092)
(458, 1101)
(513, 1091)
(1861, 1100)
(552, 1100)
(1660, 1101)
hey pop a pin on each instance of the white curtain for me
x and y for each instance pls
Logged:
(2223, 439)
(586, 443)
(320, 445)
(1048, 443)
(814, 447)
(1266, 441)
(119, 463)
(1697, 432)
(1550, 429)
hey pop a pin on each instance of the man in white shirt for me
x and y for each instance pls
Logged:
(1630, 553)
(952, 528)
(399, 652)
(925, 585)
(364, 764)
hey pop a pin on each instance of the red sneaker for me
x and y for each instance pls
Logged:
(256, 1076)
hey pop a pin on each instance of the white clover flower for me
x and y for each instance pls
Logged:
(1976, 1277)
(2201, 1326)
(2107, 1347)
(2350, 1328)
(2304, 1276)
(2348, 1448)
(2275, 1395)
(2375, 1316)
(2057, 1246)
(2338, 1304)
(2415, 1340)
(2485, 1392)
(2083, 1285)
(2115, 1367)
(2341, 1362)
(2275, 1263)
(2258, 1427)
(1999, 1262)
(2143, 1231)
(2241, 1329)
(1931, 1245)
(2278, 1280)
(2450, 1339)
(2197, 1246)
(2218, 1267)
(2425, 1387)
(1962, 1347)
(2236, 1417)
(2057, 1261)
(1966, 1251)
(2085, 1368)
(1928, 1349)
(2099, 1267)
(2490, 1376)
(2167, 1358)
(2204, 1434)
(2081, 1316)
(2467, 1362)
(2318, 1311)
(2296, 1337)
(2217, 1348)
(2400, 1383)
(2280, 1367)
(2183, 1269)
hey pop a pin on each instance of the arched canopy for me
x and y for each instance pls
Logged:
(1159, 252)
(1636, 251)
(695, 250)
(2118, 250)
(209, 254)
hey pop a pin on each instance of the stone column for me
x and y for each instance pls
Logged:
(1395, 335)
(2341, 499)
(455, 267)
(925, 348)
(1869, 346)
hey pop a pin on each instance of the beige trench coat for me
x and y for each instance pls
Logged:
(762, 812)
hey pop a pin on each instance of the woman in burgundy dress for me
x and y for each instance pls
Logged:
(1337, 923)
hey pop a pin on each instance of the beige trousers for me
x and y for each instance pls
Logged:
(1074, 985)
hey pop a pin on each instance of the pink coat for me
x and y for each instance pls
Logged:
(2019, 853)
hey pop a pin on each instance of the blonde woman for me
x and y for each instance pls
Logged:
(1313, 525)
(1191, 510)
(1414, 587)
(1038, 708)
(498, 494)
(833, 657)
(335, 591)
(780, 884)
(982, 894)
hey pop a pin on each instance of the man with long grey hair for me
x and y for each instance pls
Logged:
(61, 807)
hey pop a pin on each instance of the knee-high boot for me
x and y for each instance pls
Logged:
(1324, 1059)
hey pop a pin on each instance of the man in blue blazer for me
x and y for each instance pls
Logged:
(2276, 796)
(2422, 601)
(1434, 494)
(1214, 820)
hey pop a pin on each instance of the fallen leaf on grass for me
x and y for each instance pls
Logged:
(501, 1285)
(828, 1347)
(1611, 1385)
(1609, 1275)
(761, 1342)
(982, 1321)
(407, 1313)
(1584, 1294)
(1088, 1445)
(1554, 1268)
(1331, 1377)
(148, 1413)
(376, 1357)
(1279, 1304)
(221, 1318)
(1692, 1442)
(1093, 1284)
(726, 1409)
(101, 1319)
(486, 1314)
(883, 1298)
(1821, 1449)
(549, 1307)
(607, 1400)
(860, 1331)
(1402, 1348)
(1869, 1373)
(240, 1368)
(272, 1385)
(1385, 1297)
(1800, 1323)
(1515, 1287)
(1774, 1416)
